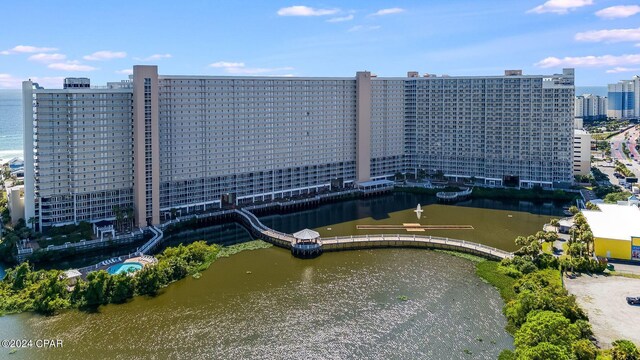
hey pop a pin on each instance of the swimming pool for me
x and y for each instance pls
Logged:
(124, 268)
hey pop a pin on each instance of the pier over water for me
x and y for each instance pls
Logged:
(314, 247)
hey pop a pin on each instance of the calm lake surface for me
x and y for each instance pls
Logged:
(265, 304)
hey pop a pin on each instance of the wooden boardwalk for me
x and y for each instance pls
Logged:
(339, 243)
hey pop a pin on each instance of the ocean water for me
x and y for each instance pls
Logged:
(10, 124)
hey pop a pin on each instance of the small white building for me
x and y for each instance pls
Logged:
(581, 152)
(15, 202)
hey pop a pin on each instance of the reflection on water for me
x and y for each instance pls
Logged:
(265, 304)
(494, 223)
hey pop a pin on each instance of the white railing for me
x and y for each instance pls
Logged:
(94, 243)
(149, 245)
(455, 243)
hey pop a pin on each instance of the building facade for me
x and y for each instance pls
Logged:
(581, 152)
(624, 99)
(160, 144)
(591, 107)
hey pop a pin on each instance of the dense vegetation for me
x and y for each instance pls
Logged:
(545, 319)
(48, 291)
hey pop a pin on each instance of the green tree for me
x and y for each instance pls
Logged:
(554, 222)
(543, 351)
(176, 269)
(591, 206)
(624, 350)
(148, 281)
(51, 294)
(97, 291)
(19, 276)
(122, 288)
(529, 247)
(130, 217)
(507, 355)
(584, 349)
(574, 210)
(547, 326)
(119, 217)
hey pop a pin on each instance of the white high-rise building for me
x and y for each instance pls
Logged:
(624, 99)
(156, 143)
(591, 107)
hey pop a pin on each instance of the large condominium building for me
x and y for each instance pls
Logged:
(591, 107)
(157, 143)
(624, 99)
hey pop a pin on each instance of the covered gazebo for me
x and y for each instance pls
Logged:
(307, 236)
(307, 244)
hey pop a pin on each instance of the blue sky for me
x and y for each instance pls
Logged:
(49, 40)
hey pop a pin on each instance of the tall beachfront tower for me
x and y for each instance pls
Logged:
(624, 99)
(158, 144)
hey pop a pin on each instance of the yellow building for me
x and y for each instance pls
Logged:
(616, 231)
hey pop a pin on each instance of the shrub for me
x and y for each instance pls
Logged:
(584, 349)
(624, 350)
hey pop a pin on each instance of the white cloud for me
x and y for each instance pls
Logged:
(341, 19)
(226, 64)
(389, 11)
(364, 28)
(300, 10)
(49, 81)
(20, 49)
(560, 6)
(590, 61)
(125, 71)
(620, 11)
(71, 66)
(105, 55)
(8, 81)
(154, 57)
(621, 69)
(239, 68)
(47, 58)
(612, 36)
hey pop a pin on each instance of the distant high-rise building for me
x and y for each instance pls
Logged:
(591, 107)
(157, 143)
(624, 99)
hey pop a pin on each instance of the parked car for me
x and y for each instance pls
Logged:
(633, 300)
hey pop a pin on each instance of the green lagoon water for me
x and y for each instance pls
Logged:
(265, 304)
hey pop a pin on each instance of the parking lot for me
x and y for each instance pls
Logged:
(604, 300)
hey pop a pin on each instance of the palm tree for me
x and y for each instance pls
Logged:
(31, 221)
(119, 216)
(130, 217)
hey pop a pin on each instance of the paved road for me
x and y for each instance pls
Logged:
(617, 144)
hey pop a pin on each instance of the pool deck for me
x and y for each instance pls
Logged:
(105, 265)
(144, 260)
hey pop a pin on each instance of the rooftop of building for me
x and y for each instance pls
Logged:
(81, 84)
(619, 222)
